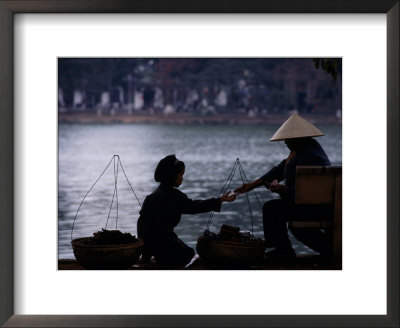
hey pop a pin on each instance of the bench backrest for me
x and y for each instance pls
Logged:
(317, 184)
(323, 185)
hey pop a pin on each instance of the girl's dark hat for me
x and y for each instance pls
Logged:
(296, 127)
(167, 169)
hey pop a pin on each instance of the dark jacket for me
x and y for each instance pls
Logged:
(310, 154)
(160, 214)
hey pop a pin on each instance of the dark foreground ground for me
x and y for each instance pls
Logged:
(311, 262)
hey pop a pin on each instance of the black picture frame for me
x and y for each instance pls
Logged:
(10, 7)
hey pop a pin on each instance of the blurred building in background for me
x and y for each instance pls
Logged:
(200, 86)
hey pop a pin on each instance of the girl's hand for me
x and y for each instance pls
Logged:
(227, 198)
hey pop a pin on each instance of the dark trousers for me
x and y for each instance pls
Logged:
(168, 251)
(276, 214)
(173, 254)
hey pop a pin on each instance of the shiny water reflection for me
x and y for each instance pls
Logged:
(209, 153)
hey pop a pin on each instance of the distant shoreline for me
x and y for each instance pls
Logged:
(187, 118)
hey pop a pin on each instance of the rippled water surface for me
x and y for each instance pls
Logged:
(209, 153)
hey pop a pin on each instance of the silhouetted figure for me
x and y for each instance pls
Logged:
(304, 151)
(162, 211)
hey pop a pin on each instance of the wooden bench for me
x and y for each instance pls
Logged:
(322, 185)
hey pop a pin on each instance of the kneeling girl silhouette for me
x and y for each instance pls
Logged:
(161, 213)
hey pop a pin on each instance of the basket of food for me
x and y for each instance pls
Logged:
(230, 248)
(107, 249)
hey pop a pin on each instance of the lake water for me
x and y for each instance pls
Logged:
(209, 153)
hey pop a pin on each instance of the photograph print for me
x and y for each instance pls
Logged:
(199, 163)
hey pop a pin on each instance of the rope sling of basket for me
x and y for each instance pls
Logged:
(225, 189)
(117, 164)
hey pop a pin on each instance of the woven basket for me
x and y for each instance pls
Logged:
(106, 257)
(229, 253)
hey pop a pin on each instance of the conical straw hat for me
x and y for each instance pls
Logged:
(296, 127)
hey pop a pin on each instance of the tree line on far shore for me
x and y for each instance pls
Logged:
(200, 85)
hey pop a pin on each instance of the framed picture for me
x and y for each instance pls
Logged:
(12, 272)
(190, 117)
